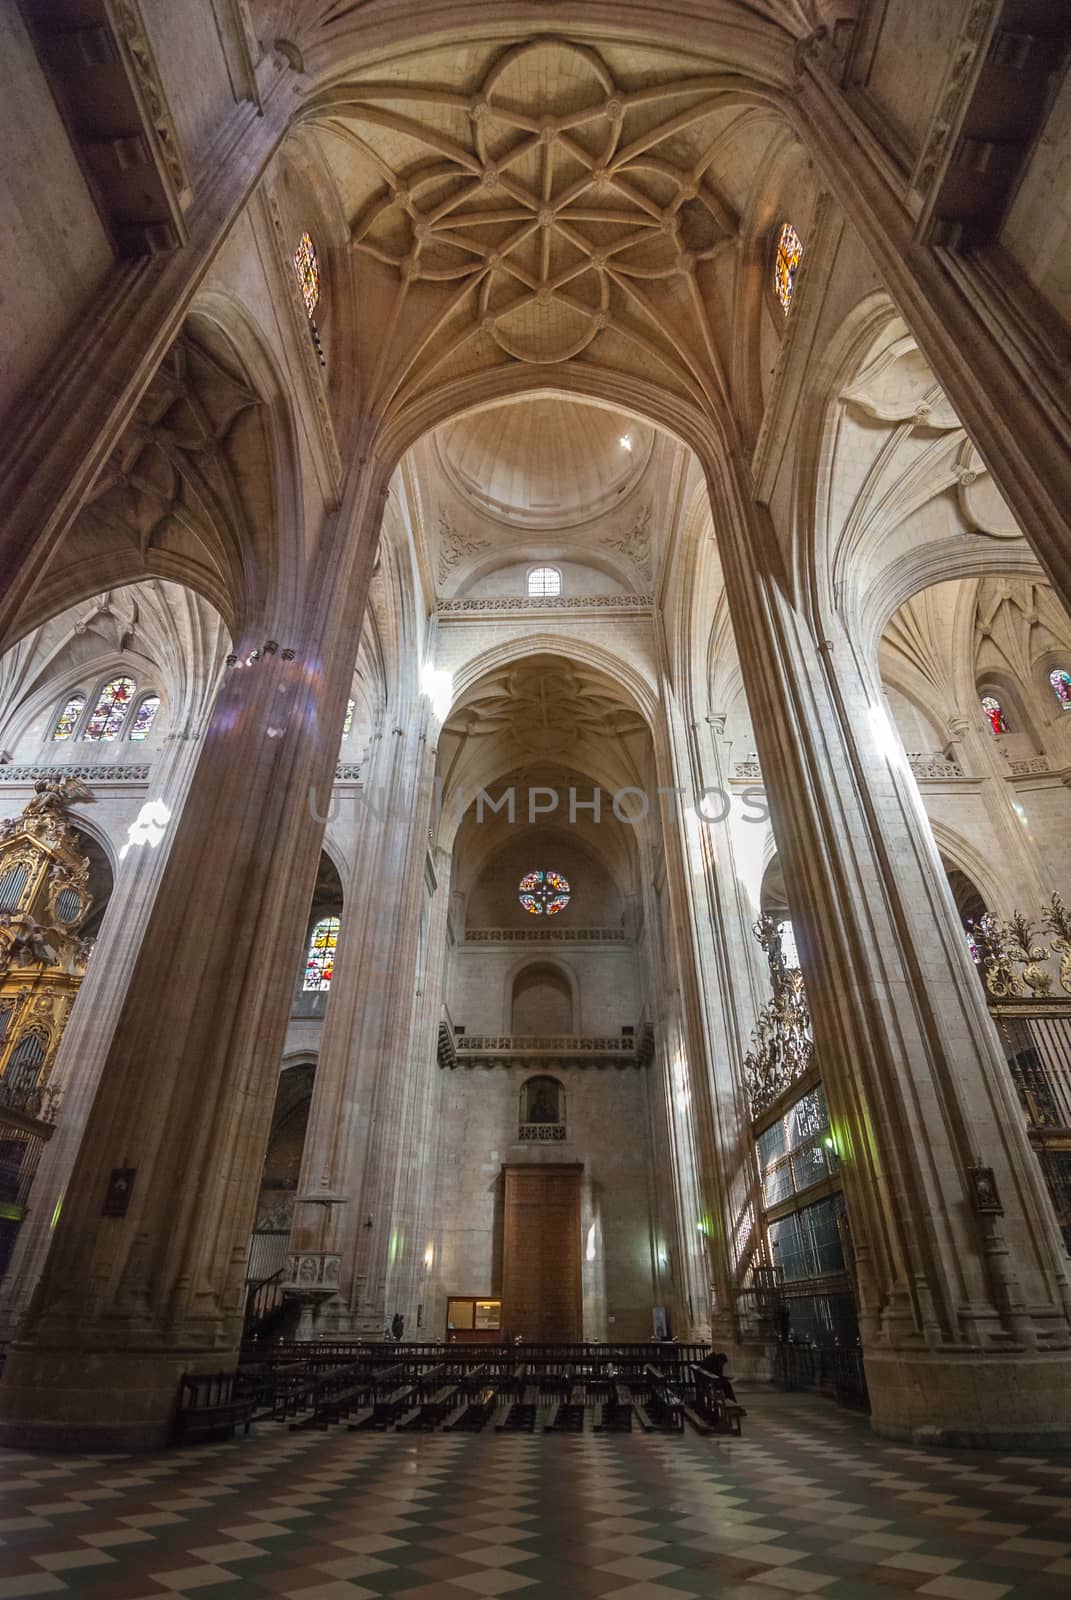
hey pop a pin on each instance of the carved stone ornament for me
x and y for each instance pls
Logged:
(454, 545)
(312, 1276)
(635, 543)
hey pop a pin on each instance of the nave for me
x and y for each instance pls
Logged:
(808, 1502)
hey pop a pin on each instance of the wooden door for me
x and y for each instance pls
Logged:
(541, 1266)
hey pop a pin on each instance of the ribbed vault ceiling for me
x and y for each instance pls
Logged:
(543, 204)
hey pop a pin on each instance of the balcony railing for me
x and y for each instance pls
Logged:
(550, 1050)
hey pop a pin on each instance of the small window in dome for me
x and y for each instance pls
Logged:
(1060, 679)
(787, 264)
(544, 583)
(67, 720)
(994, 715)
(544, 892)
(348, 724)
(308, 272)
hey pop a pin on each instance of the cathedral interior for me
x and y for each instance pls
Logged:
(535, 798)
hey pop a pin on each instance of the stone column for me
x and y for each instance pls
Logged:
(347, 1237)
(962, 1284)
(712, 938)
(145, 1274)
(411, 1280)
(1021, 863)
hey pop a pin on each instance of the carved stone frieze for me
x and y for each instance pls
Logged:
(89, 774)
(510, 603)
(130, 30)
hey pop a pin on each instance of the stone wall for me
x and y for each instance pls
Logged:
(608, 1130)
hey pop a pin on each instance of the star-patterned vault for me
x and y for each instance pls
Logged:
(542, 210)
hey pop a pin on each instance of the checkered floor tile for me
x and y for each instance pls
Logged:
(809, 1502)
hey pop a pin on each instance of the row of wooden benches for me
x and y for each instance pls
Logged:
(413, 1394)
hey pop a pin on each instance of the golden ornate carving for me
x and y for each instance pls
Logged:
(44, 899)
(1014, 961)
(782, 1049)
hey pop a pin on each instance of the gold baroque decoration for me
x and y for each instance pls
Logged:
(569, 205)
(1005, 947)
(781, 1049)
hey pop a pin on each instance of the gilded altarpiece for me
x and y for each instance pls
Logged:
(44, 901)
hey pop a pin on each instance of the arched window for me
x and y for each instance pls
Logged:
(994, 715)
(320, 965)
(544, 892)
(67, 720)
(308, 272)
(144, 717)
(110, 711)
(786, 264)
(544, 582)
(1060, 679)
(348, 724)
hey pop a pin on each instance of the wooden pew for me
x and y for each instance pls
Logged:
(477, 1413)
(211, 1405)
(664, 1408)
(715, 1402)
(434, 1410)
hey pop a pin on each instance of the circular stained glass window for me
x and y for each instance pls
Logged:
(543, 892)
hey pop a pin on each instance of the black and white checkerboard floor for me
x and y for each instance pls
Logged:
(808, 1502)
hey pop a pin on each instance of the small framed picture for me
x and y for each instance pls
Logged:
(985, 1199)
(120, 1188)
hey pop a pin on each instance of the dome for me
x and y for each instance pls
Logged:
(544, 463)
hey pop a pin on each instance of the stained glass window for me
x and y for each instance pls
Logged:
(348, 724)
(67, 720)
(308, 272)
(145, 717)
(110, 711)
(994, 715)
(787, 264)
(543, 892)
(1061, 687)
(544, 581)
(320, 965)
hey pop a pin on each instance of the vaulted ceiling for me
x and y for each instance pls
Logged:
(544, 204)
